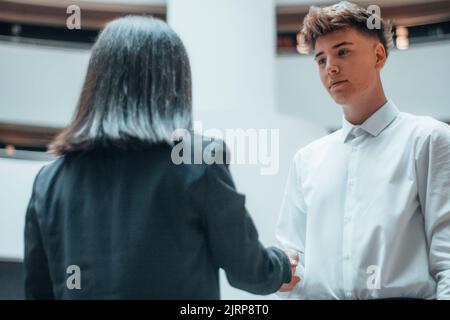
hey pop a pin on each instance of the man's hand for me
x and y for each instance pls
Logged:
(293, 257)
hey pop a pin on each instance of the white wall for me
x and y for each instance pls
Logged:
(231, 49)
(38, 84)
(16, 181)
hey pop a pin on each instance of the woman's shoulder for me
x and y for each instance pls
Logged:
(50, 169)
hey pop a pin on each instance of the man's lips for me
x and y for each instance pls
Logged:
(336, 83)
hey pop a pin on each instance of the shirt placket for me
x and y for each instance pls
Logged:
(348, 219)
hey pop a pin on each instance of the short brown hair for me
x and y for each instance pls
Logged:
(322, 21)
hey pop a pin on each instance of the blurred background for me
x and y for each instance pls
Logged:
(248, 72)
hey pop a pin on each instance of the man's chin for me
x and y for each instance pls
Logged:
(340, 99)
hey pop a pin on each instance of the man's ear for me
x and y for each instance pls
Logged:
(380, 55)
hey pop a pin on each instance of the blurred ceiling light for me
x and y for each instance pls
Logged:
(401, 31)
(402, 41)
(10, 150)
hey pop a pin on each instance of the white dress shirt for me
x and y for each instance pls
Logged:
(368, 209)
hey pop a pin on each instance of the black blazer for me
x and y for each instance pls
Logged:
(140, 227)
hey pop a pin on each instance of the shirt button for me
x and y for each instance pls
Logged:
(347, 256)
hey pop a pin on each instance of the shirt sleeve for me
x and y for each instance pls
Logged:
(433, 170)
(232, 236)
(38, 284)
(291, 226)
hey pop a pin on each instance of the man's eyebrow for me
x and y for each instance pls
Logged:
(343, 43)
(315, 57)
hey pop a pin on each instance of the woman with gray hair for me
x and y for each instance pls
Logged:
(114, 217)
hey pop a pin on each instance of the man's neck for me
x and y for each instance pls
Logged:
(359, 111)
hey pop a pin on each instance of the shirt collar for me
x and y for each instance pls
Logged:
(376, 123)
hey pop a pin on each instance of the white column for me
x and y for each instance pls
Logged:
(231, 45)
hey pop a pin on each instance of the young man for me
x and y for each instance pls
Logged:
(368, 206)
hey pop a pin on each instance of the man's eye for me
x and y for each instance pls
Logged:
(342, 52)
(321, 61)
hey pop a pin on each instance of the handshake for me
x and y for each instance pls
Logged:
(293, 257)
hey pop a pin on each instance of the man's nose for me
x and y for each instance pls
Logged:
(332, 68)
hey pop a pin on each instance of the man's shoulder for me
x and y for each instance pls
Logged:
(319, 145)
(425, 127)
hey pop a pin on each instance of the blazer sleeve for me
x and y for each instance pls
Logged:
(233, 238)
(38, 284)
